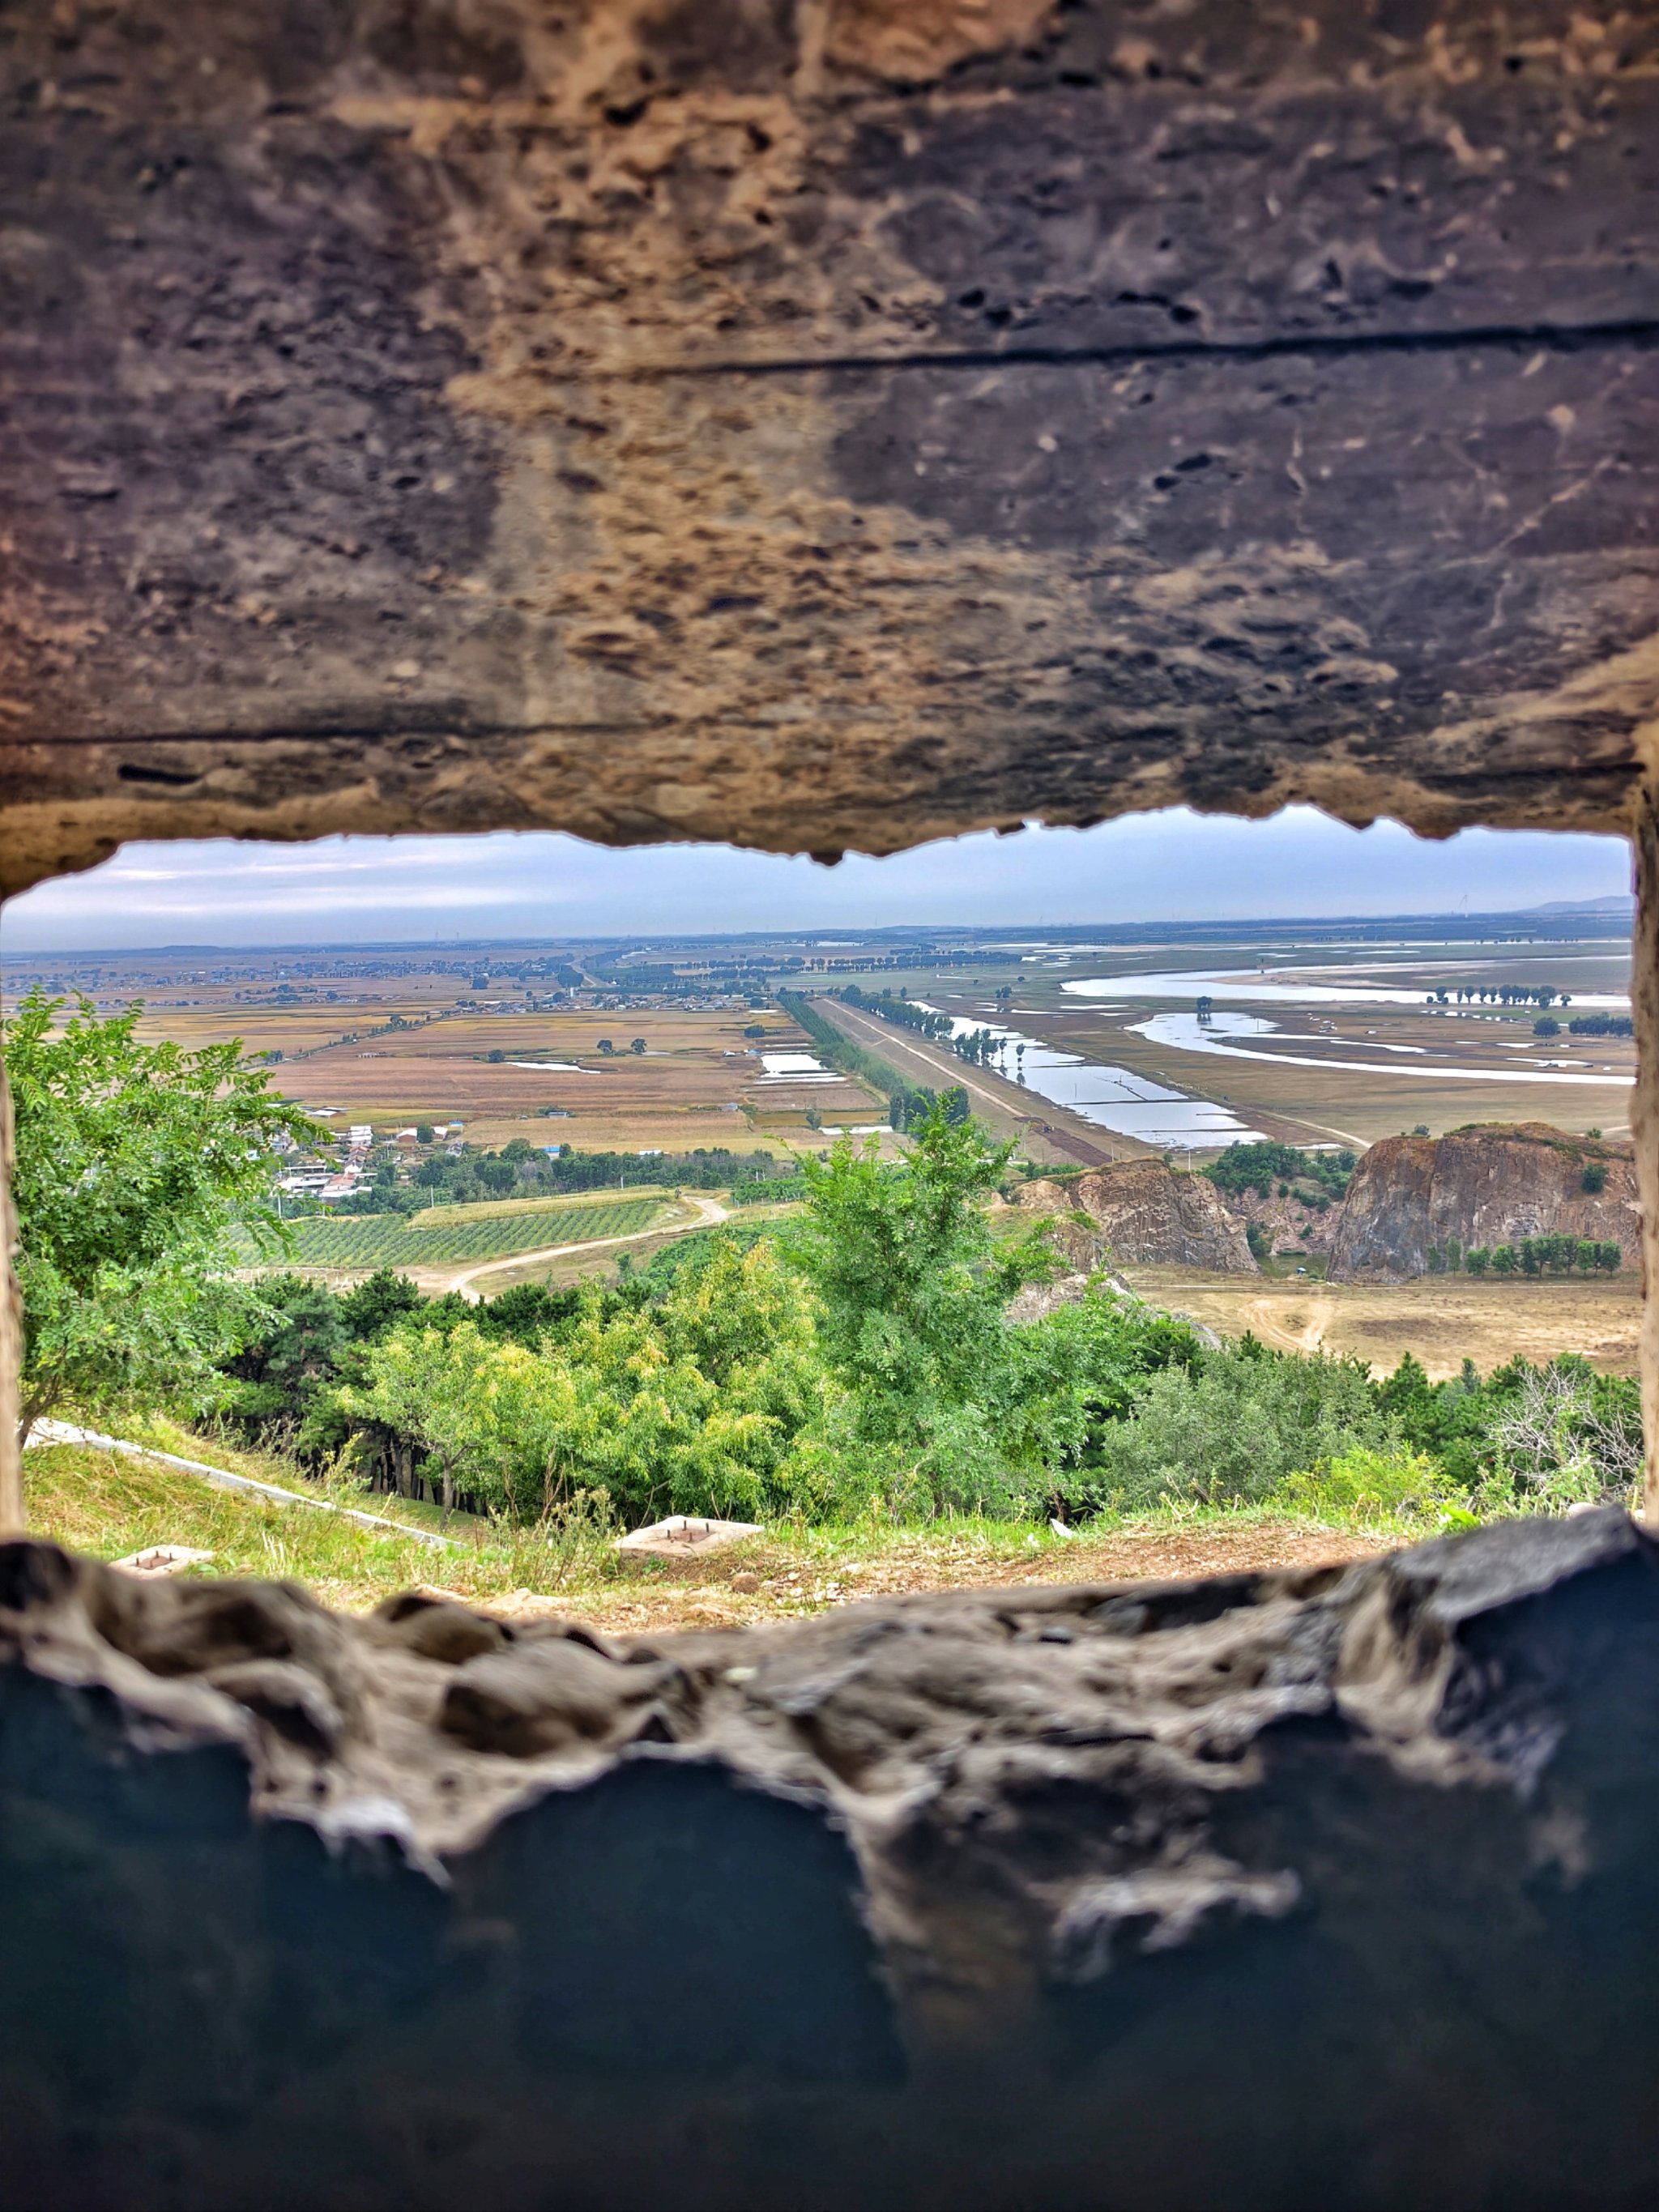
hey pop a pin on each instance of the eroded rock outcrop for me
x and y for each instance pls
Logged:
(1485, 1185)
(1303, 1888)
(1148, 1213)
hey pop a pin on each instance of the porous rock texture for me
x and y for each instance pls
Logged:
(1156, 1216)
(1485, 1185)
(1307, 1888)
(821, 423)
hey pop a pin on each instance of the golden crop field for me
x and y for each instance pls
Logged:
(697, 1084)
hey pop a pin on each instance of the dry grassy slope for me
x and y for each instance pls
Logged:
(1441, 1319)
(94, 1503)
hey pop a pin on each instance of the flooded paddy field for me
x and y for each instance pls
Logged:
(1326, 1043)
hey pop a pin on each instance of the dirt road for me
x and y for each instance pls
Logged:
(1050, 1134)
(1441, 1319)
(709, 1213)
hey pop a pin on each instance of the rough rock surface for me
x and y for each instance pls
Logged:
(1160, 1217)
(1082, 1247)
(821, 424)
(1038, 1300)
(1488, 1186)
(1306, 1888)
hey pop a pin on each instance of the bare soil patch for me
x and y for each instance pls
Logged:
(1442, 1318)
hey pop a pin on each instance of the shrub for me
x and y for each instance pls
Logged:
(1371, 1483)
(1234, 1427)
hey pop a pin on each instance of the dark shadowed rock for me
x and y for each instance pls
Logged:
(1308, 1888)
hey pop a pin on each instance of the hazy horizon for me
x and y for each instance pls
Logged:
(512, 886)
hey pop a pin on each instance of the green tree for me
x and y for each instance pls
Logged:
(1235, 1426)
(135, 1163)
(912, 1296)
(692, 1405)
(636, 1045)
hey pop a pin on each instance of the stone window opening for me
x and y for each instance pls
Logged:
(824, 429)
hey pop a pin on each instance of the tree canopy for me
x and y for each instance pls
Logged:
(133, 1162)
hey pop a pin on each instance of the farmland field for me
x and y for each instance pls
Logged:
(387, 1240)
(699, 1081)
(504, 1209)
(1329, 1044)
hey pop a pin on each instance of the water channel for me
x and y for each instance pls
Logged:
(1110, 1097)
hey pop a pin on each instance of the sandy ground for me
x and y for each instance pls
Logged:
(1442, 1318)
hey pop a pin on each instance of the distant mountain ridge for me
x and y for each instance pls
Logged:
(1615, 902)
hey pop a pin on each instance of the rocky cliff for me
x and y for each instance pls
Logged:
(1487, 1185)
(1153, 1214)
(1317, 1887)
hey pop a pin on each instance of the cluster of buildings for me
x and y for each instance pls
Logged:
(315, 1178)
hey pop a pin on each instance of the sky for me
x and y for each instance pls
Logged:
(1169, 867)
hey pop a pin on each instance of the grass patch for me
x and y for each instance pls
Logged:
(108, 1505)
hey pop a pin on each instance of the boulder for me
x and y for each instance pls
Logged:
(1159, 1216)
(1487, 1185)
(1331, 1886)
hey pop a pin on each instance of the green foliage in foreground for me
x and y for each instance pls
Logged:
(135, 1164)
(857, 1366)
(861, 1362)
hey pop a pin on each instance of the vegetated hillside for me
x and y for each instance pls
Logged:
(1288, 1200)
(1150, 1214)
(1417, 1205)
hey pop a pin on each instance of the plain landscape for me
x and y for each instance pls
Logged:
(503, 1190)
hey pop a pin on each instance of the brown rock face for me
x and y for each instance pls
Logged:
(1311, 1888)
(1483, 1186)
(1155, 1215)
(824, 425)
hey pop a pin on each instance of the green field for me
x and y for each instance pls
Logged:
(387, 1240)
(504, 1209)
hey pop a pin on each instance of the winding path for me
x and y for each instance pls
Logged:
(710, 1213)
